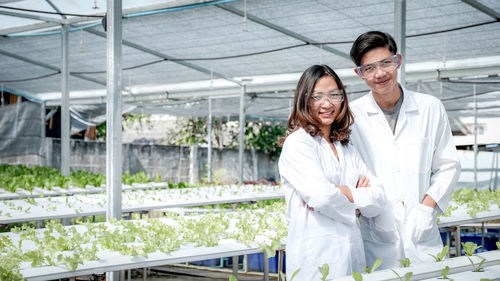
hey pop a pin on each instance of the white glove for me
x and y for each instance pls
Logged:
(420, 222)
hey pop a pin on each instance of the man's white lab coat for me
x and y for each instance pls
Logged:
(419, 158)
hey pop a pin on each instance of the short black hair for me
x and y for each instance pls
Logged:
(371, 40)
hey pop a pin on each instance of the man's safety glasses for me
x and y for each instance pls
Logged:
(387, 65)
(335, 96)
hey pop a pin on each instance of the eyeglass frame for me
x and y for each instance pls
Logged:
(396, 60)
(340, 94)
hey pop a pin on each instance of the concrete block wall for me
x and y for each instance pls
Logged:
(173, 163)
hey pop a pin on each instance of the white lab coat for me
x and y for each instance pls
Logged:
(330, 234)
(419, 158)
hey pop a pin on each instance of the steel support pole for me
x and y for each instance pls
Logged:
(43, 149)
(113, 115)
(209, 149)
(475, 135)
(242, 133)
(65, 124)
(400, 36)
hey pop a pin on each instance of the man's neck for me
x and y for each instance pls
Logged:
(387, 102)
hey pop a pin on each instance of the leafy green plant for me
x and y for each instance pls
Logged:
(232, 278)
(194, 131)
(406, 277)
(470, 248)
(357, 276)
(264, 136)
(498, 245)
(375, 265)
(405, 262)
(324, 269)
(444, 272)
(440, 256)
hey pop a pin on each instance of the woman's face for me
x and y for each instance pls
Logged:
(325, 101)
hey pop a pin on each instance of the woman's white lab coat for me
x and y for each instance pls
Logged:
(418, 159)
(328, 234)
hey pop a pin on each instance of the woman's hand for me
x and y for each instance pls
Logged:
(363, 182)
(346, 191)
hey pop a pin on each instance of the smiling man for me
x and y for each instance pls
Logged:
(405, 139)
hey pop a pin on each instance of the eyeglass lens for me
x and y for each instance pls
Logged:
(388, 64)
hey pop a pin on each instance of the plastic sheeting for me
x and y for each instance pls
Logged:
(20, 129)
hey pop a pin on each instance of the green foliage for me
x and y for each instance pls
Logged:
(357, 276)
(70, 246)
(498, 245)
(470, 248)
(440, 256)
(324, 269)
(445, 271)
(375, 265)
(405, 262)
(13, 177)
(264, 137)
(100, 131)
(295, 274)
(194, 131)
(232, 278)
(406, 277)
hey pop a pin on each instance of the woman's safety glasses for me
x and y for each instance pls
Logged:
(335, 96)
(387, 65)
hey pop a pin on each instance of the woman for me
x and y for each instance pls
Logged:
(322, 176)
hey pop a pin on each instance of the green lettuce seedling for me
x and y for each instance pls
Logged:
(470, 248)
(324, 269)
(357, 276)
(405, 262)
(440, 256)
(444, 272)
(376, 264)
(406, 277)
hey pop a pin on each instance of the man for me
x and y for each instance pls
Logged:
(405, 139)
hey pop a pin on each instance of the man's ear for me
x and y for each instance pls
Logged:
(357, 73)
(400, 60)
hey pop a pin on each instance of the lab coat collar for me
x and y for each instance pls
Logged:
(408, 105)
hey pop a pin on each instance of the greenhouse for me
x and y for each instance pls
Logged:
(139, 139)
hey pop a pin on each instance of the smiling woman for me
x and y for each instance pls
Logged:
(325, 182)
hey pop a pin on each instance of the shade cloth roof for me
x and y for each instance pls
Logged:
(188, 50)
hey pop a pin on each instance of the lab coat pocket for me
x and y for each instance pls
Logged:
(383, 226)
(418, 155)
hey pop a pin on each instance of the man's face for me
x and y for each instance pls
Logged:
(379, 70)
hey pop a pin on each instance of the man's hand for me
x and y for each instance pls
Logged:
(346, 191)
(363, 182)
(429, 202)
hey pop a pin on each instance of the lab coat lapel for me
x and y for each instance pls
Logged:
(374, 111)
(407, 107)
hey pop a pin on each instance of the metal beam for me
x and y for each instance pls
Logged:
(483, 8)
(284, 31)
(65, 119)
(31, 16)
(48, 66)
(241, 153)
(133, 10)
(167, 57)
(114, 110)
(400, 36)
